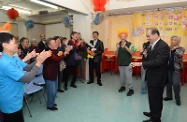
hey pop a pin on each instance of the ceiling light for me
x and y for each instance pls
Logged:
(44, 3)
(19, 10)
(20, 7)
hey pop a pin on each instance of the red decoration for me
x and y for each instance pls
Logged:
(99, 5)
(12, 13)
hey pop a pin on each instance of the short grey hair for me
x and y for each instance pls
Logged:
(178, 38)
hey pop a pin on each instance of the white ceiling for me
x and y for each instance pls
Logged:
(26, 4)
(29, 5)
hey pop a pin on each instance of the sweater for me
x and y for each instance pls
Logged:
(51, 66)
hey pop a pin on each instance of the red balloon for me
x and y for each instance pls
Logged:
(99, 5)
(96, 2)
(103, 3)
(12, 13)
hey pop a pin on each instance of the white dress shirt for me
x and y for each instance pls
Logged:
(95, 42)
(153, 45)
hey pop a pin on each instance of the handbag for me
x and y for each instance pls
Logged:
(77, 57)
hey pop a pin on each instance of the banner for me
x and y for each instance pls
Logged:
(168, 22)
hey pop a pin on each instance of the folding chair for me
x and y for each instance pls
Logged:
(30, 88)
(39, 80)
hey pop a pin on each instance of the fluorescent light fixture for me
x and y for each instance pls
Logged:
(19, 7)
(19, 10)
(44, 3)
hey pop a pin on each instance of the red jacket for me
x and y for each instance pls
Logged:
(51, 66)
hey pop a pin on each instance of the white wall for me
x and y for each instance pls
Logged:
(82, 24)
(71, 4)
(57, 30)
(34, 33)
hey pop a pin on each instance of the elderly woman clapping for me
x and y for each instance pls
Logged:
(175, 65)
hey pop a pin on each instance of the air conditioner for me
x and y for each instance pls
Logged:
(52, 19)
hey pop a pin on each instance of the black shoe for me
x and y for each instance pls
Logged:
(121, 89)
(167, 99)
(100, 84)
(89, 82)
(60, 90)
(178, 102)
(74, 86)
(55, 104)
(66, 88)
(147, 114)
(130, 93)
(52, 108)
(150, 120)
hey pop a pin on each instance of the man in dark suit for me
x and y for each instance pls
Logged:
(156, 60)
(94, 63)
(41, 44)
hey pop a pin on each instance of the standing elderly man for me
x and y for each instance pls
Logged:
(124, 50)
(155, 63)
(175, 66)
(41, 44)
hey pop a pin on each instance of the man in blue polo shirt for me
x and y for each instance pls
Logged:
(11, 91)
(13, 77)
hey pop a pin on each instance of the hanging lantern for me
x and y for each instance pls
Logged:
(12, 13)
(99, 5)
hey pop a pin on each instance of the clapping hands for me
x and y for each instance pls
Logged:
(42, 57)
(68, 49)
(30, 55)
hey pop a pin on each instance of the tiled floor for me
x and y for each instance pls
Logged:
(91, 103)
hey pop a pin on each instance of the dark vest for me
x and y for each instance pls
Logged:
(124, 57)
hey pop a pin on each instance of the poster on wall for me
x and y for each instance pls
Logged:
(168, 22)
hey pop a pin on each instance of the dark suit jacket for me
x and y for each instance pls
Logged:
(99, 50)
(156, 65)
(41, 46)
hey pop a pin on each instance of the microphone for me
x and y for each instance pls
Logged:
(145, 45)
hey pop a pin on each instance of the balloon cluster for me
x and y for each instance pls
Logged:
(99, 5)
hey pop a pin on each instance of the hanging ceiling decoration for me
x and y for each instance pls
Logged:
(12, 13)
(99, 5)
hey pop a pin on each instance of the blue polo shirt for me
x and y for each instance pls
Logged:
(11, 90)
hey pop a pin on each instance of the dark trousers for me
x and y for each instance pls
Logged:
(174, 79)
(66, 74)
(14, 117)
(155, 95)
(94, 65)
(60, 79)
